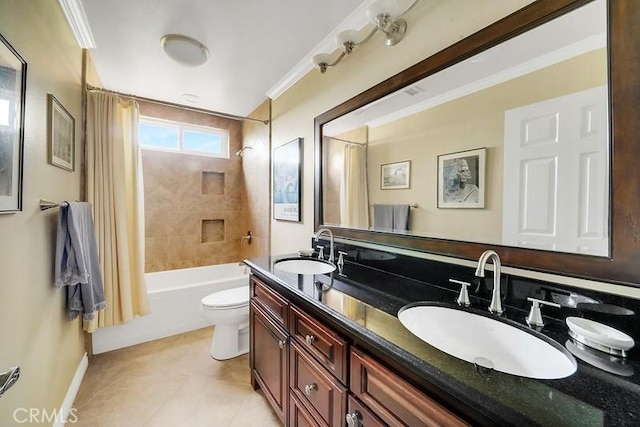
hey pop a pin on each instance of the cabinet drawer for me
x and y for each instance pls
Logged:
(324, 344)
(270, 301)
(394, 400)
(361, 416)
(299, 416)
(319, 391)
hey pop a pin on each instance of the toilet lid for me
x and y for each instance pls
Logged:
(229, 298)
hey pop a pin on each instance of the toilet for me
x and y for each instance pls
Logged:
(228, 310)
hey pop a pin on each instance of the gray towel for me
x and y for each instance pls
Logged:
(76, 265)
(383, 217)
(401, 217)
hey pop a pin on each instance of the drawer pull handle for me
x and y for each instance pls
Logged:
(309, 388)
(282, 343)
(309, 339)
(353, 420)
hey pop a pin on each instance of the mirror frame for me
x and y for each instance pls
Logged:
(622, 266)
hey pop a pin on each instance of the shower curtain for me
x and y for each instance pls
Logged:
(114, 187)
(354, 198)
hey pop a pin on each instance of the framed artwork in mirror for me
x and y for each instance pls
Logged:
(287, 177)
(61, 131)
(13, 85)
(461, 182)
(395, 175)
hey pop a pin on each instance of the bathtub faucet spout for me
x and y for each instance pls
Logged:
(248, 237)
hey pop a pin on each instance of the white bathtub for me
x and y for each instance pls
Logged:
(174, 302)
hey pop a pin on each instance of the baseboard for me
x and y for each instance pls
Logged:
(72, 392)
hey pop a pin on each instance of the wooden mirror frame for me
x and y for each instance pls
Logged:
(623, 264)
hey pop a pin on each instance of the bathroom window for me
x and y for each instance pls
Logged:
(168, 135)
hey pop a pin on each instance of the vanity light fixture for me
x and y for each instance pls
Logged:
(184, 50)
(385, 15)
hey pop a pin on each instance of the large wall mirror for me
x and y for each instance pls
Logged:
(519, 138)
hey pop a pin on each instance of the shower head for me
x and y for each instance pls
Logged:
(239, 152)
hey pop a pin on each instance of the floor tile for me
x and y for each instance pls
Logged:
(170, 382)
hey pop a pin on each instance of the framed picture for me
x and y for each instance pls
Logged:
(461, 181)
(395, 175)
(13, 85)
(287, 177)
(61, 135)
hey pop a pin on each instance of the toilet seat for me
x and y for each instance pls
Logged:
(227, 299)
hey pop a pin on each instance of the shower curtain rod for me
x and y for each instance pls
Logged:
(171, 104)
(345, 140)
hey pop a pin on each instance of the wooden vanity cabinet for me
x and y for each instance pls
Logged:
(392, 399)
(359, 415)
(329, 348)
(269, 346)
(313, 377)
(324, 397)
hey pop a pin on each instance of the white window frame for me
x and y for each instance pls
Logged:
(181, 127)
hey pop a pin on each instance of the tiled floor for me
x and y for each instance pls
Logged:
(170, 382)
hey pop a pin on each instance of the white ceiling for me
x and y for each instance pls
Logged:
(253, 44)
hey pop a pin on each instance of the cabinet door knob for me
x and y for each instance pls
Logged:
(309, 339)
(353, 420)
(309, 388)
(282, 343)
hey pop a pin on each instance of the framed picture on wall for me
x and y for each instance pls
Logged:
(287, 181)
(461, 179)
(13, 85)
(61, 127)
(395, 175)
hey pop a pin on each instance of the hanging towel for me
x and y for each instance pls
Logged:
(401, 217)
(383, 217)
(76, 265)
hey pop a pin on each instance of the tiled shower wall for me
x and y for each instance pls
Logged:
(196, 208)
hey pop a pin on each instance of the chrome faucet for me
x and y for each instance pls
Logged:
(496, 305)
(319, 233)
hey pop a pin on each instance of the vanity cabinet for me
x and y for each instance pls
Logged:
(314, 376)
(316, 388)
(391, 398)
(269, 343)
(329, 348)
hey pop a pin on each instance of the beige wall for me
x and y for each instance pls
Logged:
(467, 123)
(34, 331)
(195, 206)
(432, 27)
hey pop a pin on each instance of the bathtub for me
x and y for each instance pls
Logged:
(174, 302)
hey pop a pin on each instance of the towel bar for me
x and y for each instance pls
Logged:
(48, 204)
(413, 206)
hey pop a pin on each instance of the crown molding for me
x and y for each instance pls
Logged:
(77, 20)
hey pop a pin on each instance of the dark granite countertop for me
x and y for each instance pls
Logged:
(365, 304)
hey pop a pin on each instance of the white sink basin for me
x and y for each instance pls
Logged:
(488, 342)
(305, 266)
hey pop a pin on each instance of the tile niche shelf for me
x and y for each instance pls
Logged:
(212, 230)
(212, 182)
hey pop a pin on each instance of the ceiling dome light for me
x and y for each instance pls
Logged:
(184, 50)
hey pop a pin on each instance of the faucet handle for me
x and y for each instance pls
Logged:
(340, 263)
(463, 297)
(320, 252)
(535, 315)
